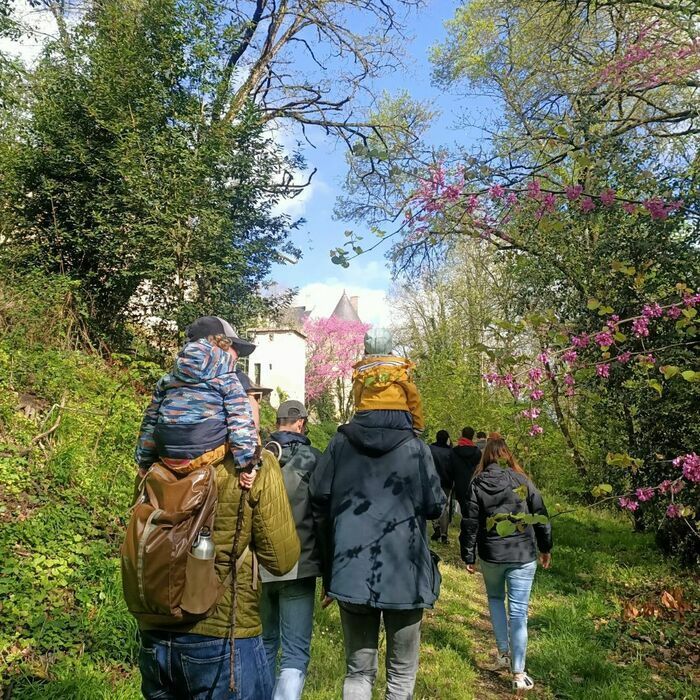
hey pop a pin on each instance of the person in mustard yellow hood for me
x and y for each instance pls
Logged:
(383, 382)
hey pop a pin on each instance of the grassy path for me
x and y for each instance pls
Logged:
(580, 648)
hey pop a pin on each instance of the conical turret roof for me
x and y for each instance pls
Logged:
(345, 310)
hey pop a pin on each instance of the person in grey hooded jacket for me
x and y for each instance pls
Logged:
(371, 493)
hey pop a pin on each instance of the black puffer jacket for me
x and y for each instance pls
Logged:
(442, 456)
(371, 494)
(465, 460)
(493, 491)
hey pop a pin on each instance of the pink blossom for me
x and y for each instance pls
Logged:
(677, 486)
(665, 486)
(569, 356)
(607, 197)
(673, 511)
(549, 202)
(569, 379)
(532, 413)
(497, 192)
(640, 327)
(511, 198)
(587, 205)
(690, 464)
(628, 503)
(535, 375)
(333, 346)
(645, 494)
(471, 204)
(673, 312)
(570, 391)
(491, 377)
(573, 192)
(624, 357)
(537, 394)
(543, 358)
(652, 311)
(629, 208)
(533, 189)
(535, 430)
(656, 208)
(603, 371)
(691, 299)
(580, 341)
(604, 339)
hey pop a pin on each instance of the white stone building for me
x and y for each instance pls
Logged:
(279, 362)
(279, 359)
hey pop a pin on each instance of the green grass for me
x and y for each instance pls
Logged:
(65, 633)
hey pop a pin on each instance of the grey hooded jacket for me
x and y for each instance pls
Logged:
(371, 494)
(298, 461)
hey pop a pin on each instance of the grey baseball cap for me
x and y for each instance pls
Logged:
(205, 326)
(292, 409)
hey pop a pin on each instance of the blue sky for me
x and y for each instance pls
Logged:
(321, 283)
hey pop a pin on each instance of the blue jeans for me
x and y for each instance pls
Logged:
(177, 666)
(287, 613)
(518, 579)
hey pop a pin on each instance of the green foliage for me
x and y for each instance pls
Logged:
(116, 176)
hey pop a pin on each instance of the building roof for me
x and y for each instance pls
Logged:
(263, 331)
(345, 310)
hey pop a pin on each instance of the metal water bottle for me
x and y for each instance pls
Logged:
(203, 547)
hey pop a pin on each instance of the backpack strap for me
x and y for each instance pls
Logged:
(274, 447)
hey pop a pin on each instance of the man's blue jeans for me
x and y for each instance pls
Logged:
(287, 613)
(518, 579)
(178, 666)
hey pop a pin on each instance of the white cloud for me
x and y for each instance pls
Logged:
(296, 207)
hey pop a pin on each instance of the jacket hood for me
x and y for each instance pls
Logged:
(374, 441)
(286, 437)
(201, 361)
(496, 478)
(372, 361)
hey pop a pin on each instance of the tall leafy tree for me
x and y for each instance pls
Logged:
(118, 179)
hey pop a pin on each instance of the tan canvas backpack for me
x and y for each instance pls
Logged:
(164, 585)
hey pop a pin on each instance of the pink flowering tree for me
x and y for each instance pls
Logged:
(334, 345)
(596, 226)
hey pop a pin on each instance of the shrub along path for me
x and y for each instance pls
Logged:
(610, 621)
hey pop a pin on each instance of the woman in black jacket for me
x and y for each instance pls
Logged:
(507, 521)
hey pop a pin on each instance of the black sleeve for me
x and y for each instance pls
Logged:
(543, 532)
(432, 495)
(320, 494)
(470, 525)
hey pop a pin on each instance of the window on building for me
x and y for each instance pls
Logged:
(271, 336)
(257, 371)
(270, 367)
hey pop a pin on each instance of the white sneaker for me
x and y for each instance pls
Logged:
(524, 684)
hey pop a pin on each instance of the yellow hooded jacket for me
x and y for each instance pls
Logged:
(384, 382)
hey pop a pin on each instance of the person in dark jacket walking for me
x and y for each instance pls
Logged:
(287, 605)
(441, 450)
(372, 492)
(465, 458)
(509, 559)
